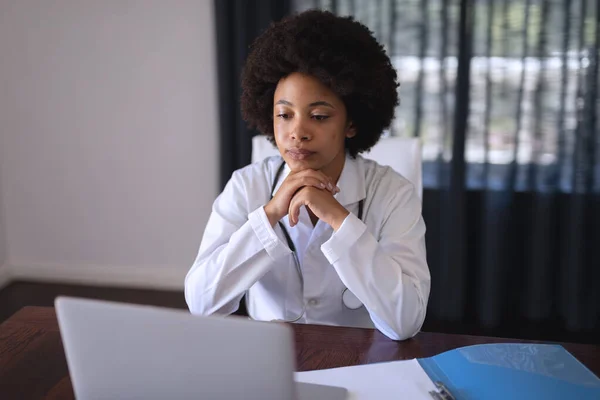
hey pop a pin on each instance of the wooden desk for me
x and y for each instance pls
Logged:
(33, 365)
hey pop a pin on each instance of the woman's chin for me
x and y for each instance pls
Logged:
(300, 165)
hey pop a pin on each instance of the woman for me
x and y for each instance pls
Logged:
(318, 235)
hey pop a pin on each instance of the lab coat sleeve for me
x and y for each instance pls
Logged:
(390, 275)
(237, 249)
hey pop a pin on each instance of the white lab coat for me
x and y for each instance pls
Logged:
(380, 259)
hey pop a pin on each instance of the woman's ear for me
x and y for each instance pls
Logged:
(350, 130)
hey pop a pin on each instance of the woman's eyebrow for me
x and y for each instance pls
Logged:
(313, 104)
(321, 103)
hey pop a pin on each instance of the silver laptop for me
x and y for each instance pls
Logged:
(117, 351)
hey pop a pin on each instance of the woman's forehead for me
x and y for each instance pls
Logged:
(303, 90)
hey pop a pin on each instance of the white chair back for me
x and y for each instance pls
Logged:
(403, 155)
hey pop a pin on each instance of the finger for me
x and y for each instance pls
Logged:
(303, 181)
(294, 212)
(296, 203)
(324, 179)
(315, 174)
(331, 186)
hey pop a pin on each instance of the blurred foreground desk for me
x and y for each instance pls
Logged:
(33, 365)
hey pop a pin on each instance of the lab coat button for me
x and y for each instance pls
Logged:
(313, 302)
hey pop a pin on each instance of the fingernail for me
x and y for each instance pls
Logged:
(322, 185)
(338, 189)
(329, 186)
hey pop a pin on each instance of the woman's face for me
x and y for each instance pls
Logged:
(310, 125)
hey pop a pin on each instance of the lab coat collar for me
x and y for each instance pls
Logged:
(351, 182)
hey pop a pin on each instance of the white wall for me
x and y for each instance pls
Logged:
(108, 138)
(3, 268)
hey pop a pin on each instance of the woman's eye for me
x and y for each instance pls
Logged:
(320, 117)
(283, 116)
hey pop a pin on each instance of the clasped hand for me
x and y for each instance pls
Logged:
(312, 189)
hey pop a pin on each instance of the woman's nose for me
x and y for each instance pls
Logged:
(300, 133)
(300, 136)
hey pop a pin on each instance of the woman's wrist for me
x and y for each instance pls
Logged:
(272, 216)
(338, 217)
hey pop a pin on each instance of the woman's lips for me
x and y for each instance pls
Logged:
(299, 154)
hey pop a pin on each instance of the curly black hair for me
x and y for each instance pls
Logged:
(341, 53)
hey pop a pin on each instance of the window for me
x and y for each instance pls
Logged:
(533, 86)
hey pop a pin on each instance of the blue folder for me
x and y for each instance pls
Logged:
(510, 371)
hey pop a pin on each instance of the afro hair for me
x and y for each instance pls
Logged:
(341, 53)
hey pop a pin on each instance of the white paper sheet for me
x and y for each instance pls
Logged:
(391, 380)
